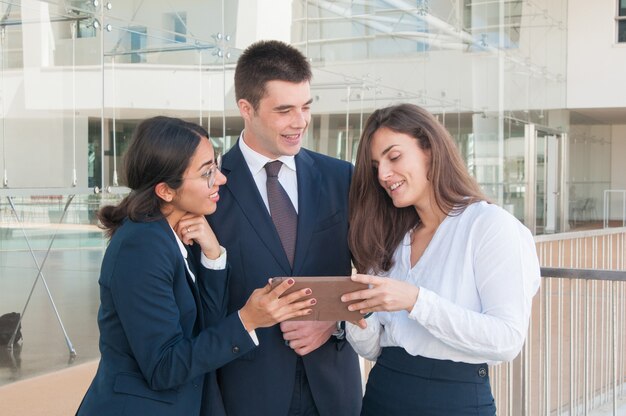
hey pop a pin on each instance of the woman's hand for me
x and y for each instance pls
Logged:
(195, 228)
(265, 307)
(384, 294)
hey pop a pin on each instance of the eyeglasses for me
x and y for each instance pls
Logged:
(211, 174)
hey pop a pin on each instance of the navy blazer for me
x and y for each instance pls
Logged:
(261, 382)
(160, 333)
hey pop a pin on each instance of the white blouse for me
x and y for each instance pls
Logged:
(477, 278)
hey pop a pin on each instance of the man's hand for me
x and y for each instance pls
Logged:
(306, 336)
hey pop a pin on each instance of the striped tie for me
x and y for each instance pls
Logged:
(282, 211)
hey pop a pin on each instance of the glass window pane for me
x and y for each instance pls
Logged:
(621, 31)
(622, 8)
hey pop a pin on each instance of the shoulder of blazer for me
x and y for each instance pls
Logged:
(149, 243)
(323, 160)
(233, 158)
(149, 234)
(327, 165)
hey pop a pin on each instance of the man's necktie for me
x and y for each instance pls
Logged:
(282, 211)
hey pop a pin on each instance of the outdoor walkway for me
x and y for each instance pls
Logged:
(55, 394)
(40, 379)
(71, 272)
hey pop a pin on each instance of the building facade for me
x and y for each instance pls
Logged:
(532, 91)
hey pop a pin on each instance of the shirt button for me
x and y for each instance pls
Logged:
(482, 372)
(235, 350)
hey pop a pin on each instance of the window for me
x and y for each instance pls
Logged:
(482, 20)
(180, 27)
(137, 43)
(177, 24)
(621, 21)
(84, 12)
(86, 29)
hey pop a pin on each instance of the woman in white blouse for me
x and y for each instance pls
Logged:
(451, 276)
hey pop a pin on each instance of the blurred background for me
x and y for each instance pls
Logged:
(533, 92)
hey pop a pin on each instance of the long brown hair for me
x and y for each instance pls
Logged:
(376, 226)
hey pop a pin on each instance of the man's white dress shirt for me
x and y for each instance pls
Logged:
(287, 176)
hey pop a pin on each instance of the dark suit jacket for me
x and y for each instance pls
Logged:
(261, 382)
(160, 333)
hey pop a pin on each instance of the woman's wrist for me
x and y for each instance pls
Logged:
(414, 294)
(212, 253)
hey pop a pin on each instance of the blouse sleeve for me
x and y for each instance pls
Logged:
(366, 342)
(214, 264)
(507, 276)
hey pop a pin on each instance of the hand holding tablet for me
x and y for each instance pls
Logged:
(327, 290)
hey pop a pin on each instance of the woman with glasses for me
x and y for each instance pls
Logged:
(451, 276)
(164, 326)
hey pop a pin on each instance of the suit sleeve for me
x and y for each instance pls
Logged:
(142, 291)
(213, 287)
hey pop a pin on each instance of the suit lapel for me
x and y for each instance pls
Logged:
(199, 324)
(194, 287)
(192, 284)
(243, 188)
(309, 182)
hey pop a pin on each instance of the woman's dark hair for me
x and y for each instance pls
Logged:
(160, 151)
(264, 61)
(377, 227)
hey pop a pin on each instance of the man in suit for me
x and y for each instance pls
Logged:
(300, 368)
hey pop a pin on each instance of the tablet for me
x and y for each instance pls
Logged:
(327, 290)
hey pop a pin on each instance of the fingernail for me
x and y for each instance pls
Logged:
(350, 308)
(308, 291)
(310, 311)
(290, 281)
(313, 301)
(343, 299)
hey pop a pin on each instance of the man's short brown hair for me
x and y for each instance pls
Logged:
(268, 60)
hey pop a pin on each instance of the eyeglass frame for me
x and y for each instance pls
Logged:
(211, 175)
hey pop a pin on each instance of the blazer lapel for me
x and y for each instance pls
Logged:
(199, 324)
(243, 188)
(194, 287)
(309, 182)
